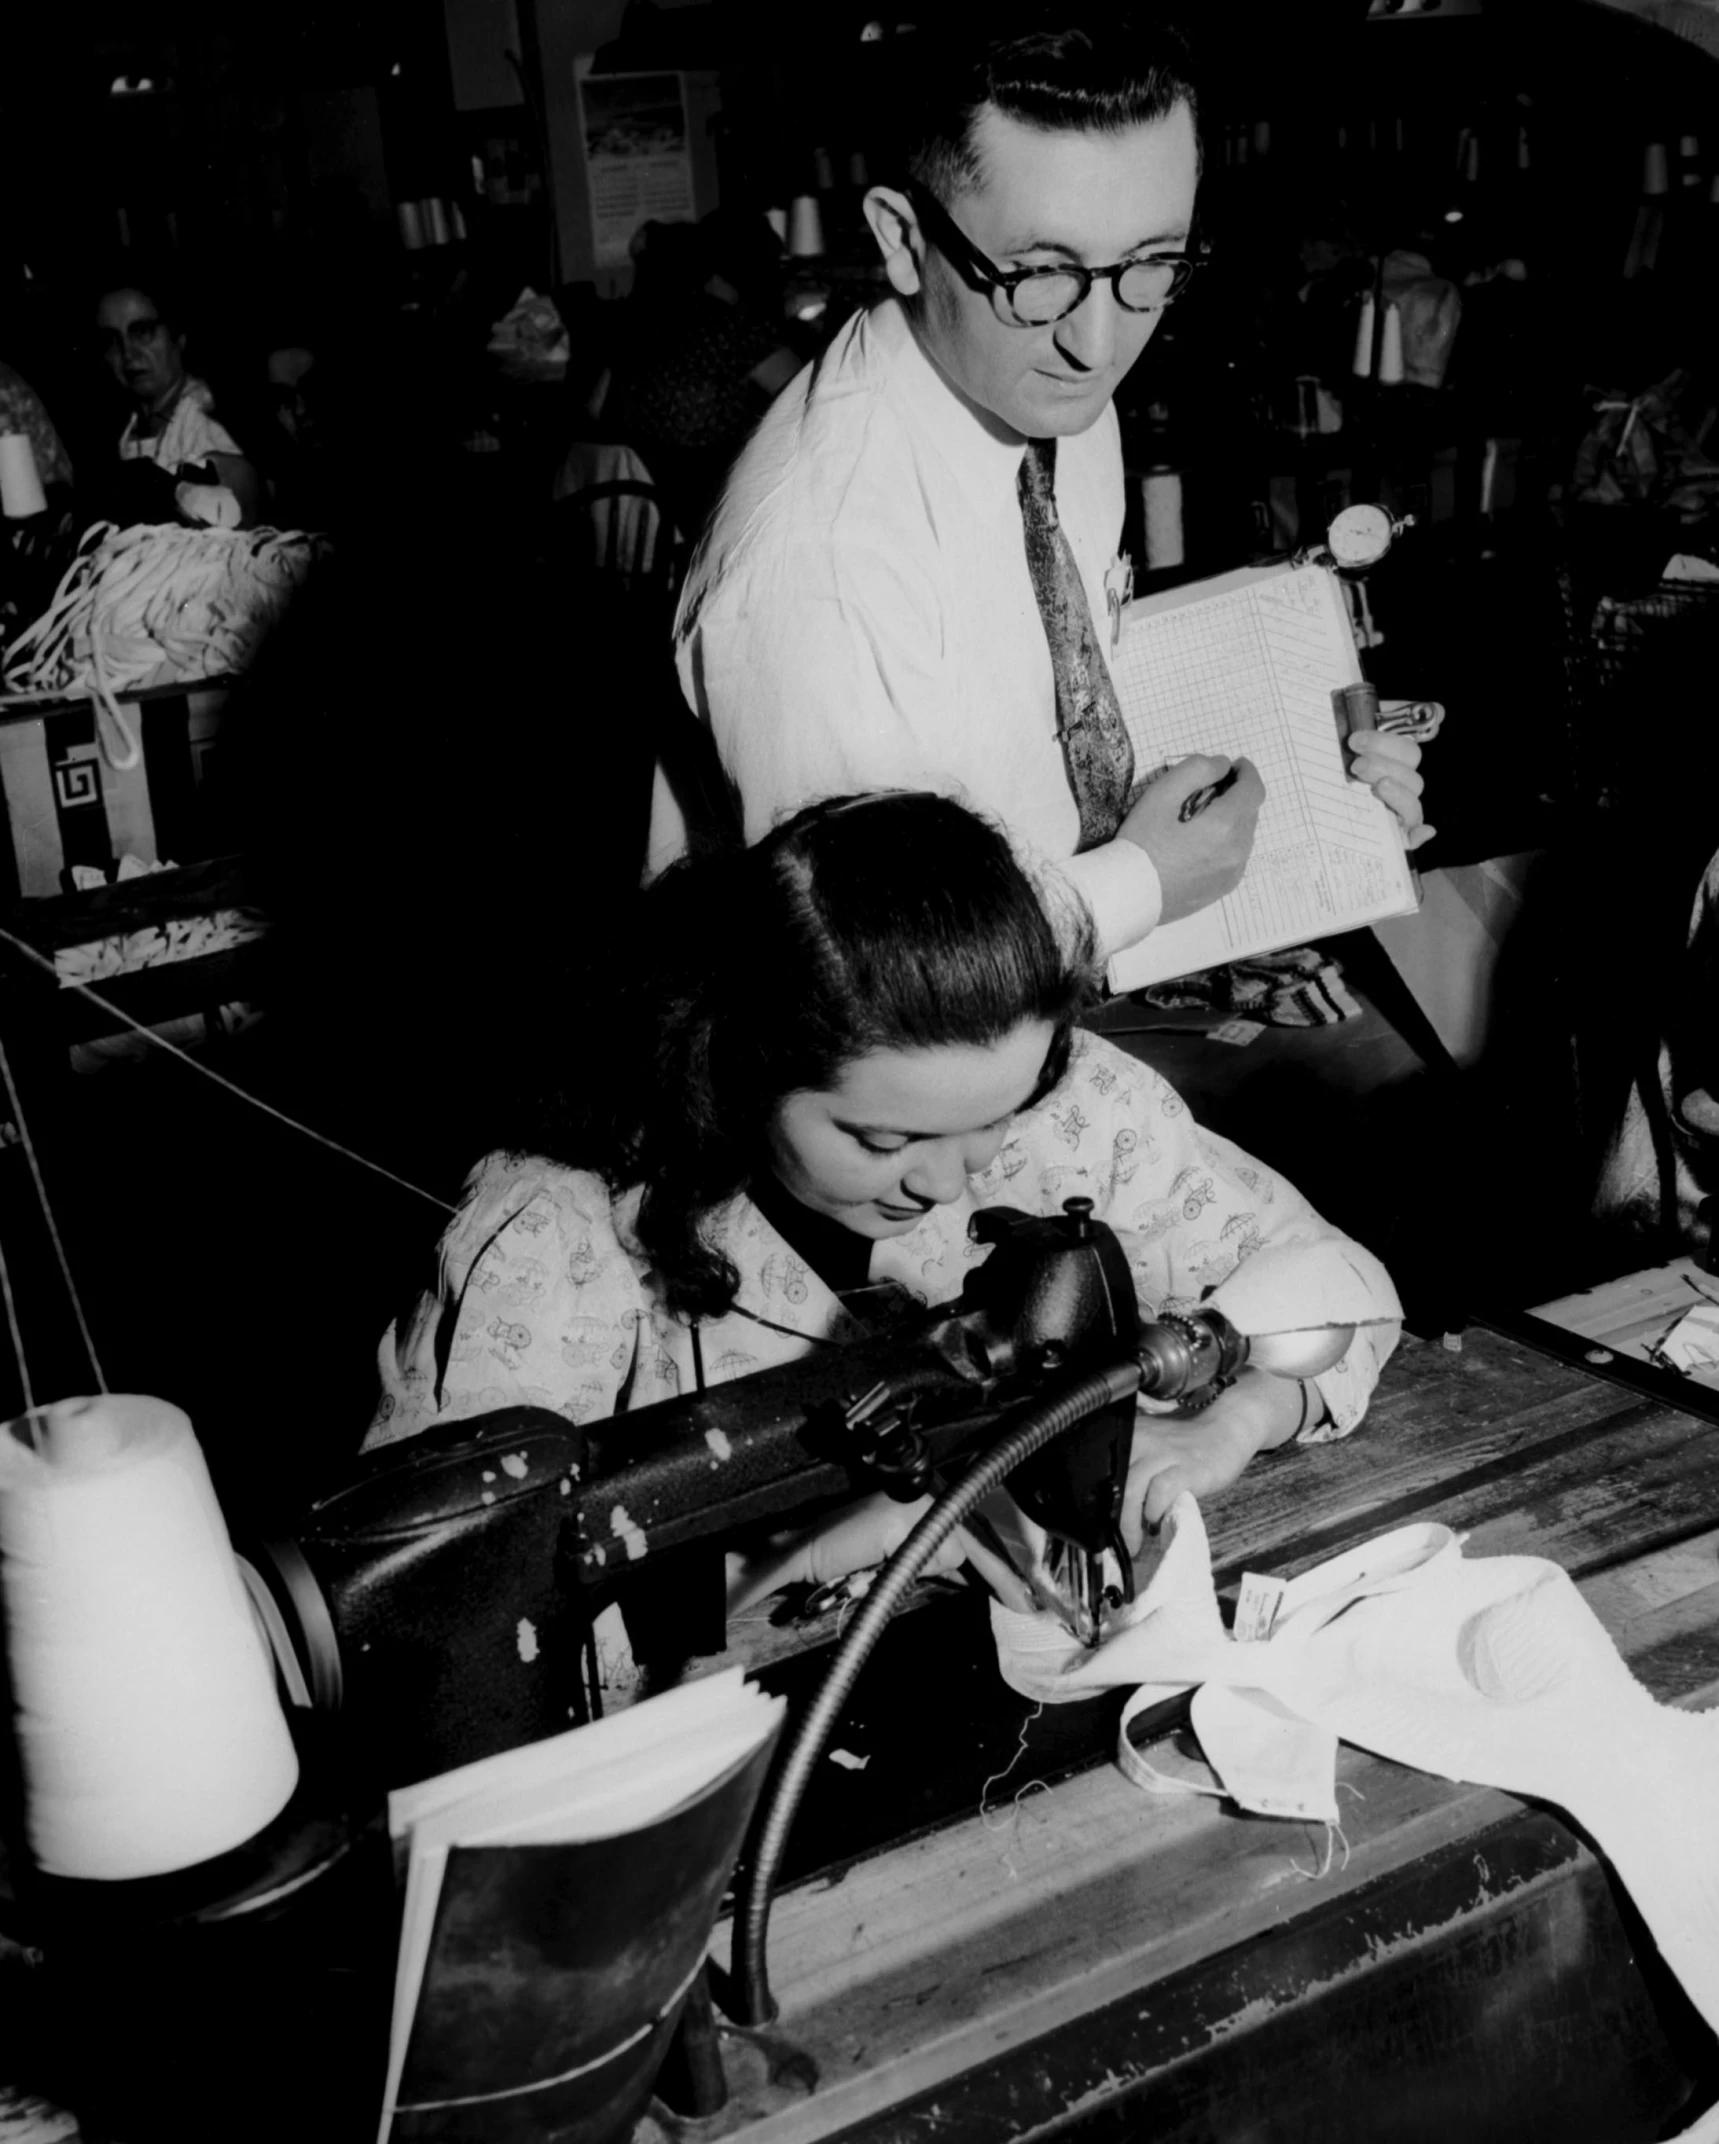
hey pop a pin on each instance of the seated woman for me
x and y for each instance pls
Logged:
(842, 1043)
(173, 427)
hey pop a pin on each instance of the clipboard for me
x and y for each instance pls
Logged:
(1246, 664)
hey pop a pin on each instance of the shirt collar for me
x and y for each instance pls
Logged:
(985, 466)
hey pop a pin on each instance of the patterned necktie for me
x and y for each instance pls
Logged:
(1095, 746)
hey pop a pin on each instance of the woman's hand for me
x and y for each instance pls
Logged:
(1205, 1452)
(866, 1533)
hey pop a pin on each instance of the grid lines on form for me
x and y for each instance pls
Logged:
(1248, 669)
(1198, 679)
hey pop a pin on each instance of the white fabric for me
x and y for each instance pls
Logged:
(860, 614)
(191, 434)
(1493, 1671)
(1172, 1622)
(544, 1298)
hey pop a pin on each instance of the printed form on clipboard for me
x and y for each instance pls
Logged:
(1246, 664)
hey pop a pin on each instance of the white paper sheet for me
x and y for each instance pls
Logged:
(1246, 665)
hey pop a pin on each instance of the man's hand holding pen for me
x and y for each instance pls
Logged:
(1195, 818)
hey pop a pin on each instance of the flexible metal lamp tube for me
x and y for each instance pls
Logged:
(1048, 1420)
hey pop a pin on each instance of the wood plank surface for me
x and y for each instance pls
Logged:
(924, 1962)
(1634, 1313)
(914, 1966)
(910, 1968)
(1492, 1431)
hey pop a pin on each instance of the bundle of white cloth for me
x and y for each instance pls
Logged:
(1491, 1670)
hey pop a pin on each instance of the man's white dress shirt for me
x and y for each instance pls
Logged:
(860, 614)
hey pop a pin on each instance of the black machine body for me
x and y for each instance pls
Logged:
(447, 1596)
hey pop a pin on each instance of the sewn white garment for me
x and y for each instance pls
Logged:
(1493, 1670)
(191, 434)
(860, 614)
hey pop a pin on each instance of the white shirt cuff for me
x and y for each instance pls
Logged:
(1119, 884)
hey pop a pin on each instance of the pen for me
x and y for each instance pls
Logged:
(1194, 805)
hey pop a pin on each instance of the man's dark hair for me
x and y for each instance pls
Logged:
(900, 921)
(1113, 69)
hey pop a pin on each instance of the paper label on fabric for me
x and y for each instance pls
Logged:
(1256, 1607)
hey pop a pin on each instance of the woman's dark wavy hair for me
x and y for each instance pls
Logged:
(1098, 69)
(899, 921)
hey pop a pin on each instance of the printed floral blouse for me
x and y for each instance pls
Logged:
(544, 1297)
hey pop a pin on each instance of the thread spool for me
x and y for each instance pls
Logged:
(823, 171)
(805, 227)
(1161, 503)
(1391, 349)
(149, 1734)
(435, 218)
(777, 219)
(1362, 366)
(411, 226)
(21, 493)
(1654, 177)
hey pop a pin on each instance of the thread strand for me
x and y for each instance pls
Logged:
(17, 1335)
(268, 1109)
(53, 1226)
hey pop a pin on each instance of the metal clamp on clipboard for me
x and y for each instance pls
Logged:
(1358, 707)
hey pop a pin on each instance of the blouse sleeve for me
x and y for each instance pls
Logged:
(537, 1303)
(1187, 1205)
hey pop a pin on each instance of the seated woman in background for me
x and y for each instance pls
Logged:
(840, 1044)
(173, 427)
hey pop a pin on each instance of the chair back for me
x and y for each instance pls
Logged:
(620, 531)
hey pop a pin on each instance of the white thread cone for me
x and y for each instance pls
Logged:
(150, 1736)
(1391, 349)
(1362, 366)
(1161, 503)
(21, 491)
(805, 227)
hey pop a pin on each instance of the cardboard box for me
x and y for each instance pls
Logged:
(65, 805)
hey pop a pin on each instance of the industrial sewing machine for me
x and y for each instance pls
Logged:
(443, 1599)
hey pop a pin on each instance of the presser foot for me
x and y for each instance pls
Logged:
(1088, 1587)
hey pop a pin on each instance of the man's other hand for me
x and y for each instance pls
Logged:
(1387, 764)
(1202, 858)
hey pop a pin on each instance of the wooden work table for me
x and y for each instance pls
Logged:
(1096, 1959)
(1106, 1964)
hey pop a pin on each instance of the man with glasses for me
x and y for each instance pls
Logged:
(907, 582)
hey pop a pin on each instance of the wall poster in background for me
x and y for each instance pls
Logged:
(638, 154)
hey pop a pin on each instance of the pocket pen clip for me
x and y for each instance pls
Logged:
(1118, 594)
